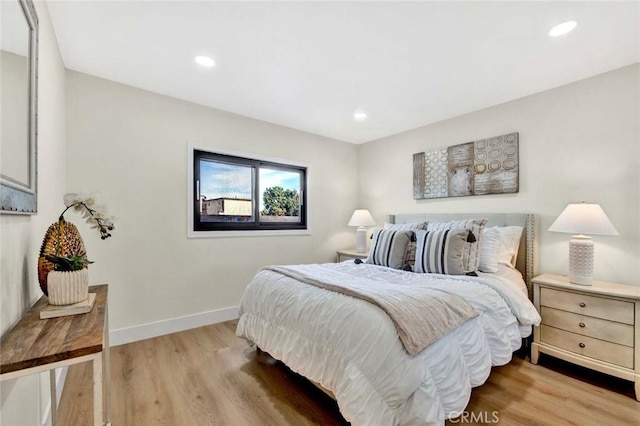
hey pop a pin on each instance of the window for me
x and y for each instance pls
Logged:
(234, 193)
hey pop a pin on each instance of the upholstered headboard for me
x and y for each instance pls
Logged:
(527, 262)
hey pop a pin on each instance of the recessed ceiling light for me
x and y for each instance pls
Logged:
(360, 116)
(563, 28)
(205, 61)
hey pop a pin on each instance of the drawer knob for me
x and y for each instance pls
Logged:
(582, 345)
(582, 325)
(582, 304)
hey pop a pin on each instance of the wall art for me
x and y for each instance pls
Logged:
(486, 166)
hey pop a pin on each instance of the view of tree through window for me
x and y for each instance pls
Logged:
(235, 193)
(280, 195)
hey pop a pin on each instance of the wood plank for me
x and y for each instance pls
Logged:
(523, 393)
(33, 341)
(208, 376)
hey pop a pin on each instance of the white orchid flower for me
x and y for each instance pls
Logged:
(93, 200)
(88, 198)
(70, 198)
(94, 213)
(100, 208)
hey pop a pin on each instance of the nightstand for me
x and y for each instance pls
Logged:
(595, 326)
(351, 253)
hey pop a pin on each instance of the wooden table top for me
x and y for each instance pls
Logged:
(33, 341)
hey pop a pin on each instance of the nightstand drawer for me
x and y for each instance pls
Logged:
(593, 306)
(610, 331)
(587, 346)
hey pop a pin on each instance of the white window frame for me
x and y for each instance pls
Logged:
(239, 233)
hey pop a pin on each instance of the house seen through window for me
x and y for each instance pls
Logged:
(237, 193)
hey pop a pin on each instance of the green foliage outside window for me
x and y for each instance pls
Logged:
(281, 202)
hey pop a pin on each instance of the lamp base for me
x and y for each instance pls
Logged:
(361, 239)
(581, 260)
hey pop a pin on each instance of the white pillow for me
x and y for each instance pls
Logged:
(509, 244)
(489, 245)
(499, 245)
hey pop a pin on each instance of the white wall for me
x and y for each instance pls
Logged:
(131, 145)
(23, 401)
(579, 142)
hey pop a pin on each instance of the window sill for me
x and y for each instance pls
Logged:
(256, 233)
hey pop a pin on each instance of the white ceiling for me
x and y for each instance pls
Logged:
(310, 65)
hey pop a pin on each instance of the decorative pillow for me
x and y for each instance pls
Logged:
(471, 256)
(410, 255)
(389, 248)
(442, 252)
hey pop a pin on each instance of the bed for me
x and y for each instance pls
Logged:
(372, 357)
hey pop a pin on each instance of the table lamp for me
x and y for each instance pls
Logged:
(580, 219)
(361, 218)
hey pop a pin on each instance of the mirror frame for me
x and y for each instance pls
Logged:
(16, 198)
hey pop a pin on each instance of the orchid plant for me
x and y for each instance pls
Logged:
(94, 213)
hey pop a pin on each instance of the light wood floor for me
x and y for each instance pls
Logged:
(208, 376)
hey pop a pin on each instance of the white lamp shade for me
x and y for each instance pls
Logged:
(361, 217)
(583, 218)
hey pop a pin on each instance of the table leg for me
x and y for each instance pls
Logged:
(106, 370)
(54, 397)
(97, 390)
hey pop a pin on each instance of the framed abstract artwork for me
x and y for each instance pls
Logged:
(486, 166)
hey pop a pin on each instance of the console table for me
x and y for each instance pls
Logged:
(36, 345)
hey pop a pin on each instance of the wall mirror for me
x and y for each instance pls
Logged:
(18, 107)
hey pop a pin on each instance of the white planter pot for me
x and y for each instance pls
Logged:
(67, 287)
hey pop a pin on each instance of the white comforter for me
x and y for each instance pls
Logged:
(351, 347)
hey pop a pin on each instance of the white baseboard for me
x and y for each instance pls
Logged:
(61, 376)
(145, 331)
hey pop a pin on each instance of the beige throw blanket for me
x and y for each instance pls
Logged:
(420, 314)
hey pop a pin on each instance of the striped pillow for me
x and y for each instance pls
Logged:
(410, 255)
(389, 247)
(471, 256)
(441, 252)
